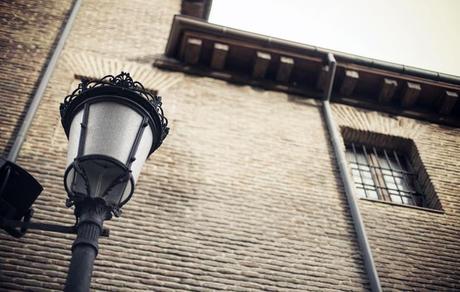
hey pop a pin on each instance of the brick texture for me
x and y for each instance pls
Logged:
(415, 250)
(27, 34)
(134, 30)
(244, 195)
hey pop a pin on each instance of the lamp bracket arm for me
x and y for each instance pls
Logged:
(24, 225)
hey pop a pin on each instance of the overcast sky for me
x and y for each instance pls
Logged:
(420, 33)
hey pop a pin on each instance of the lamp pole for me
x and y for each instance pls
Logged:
(91, 215)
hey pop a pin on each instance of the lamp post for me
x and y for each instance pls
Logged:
(113, 125)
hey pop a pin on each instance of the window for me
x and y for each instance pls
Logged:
(383, 174)
(389, 169)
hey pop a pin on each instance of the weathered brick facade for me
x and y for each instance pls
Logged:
(415, 249)
(27, 33)
(244, 194)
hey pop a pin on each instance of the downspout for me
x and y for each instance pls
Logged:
(38, 95)
(348, 183)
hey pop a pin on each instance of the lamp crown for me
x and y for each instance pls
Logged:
(122, 81)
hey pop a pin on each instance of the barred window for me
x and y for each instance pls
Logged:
(383, 174)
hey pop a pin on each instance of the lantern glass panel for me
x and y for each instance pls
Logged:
(111, 131)
(142, 152)
(74, 137)
(109, 134)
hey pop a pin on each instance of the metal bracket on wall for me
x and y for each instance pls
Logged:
(11, 225)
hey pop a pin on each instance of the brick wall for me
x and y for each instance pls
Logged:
(135, 30)
(27, 34)
(243, 195)
(414, 249)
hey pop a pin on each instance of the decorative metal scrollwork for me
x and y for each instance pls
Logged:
(124, 81)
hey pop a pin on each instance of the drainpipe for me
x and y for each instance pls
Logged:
(348, 183)
(38, 95)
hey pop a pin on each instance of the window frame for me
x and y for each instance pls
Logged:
(395, 182)
(408, 148)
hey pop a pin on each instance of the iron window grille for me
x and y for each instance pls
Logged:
(383, 174)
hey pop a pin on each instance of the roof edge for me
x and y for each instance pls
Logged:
(181, 21)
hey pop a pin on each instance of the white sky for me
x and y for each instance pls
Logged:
(420, 33)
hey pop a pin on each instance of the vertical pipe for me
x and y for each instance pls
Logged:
(348, 183)
(38, 95)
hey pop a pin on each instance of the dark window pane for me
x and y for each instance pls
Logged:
(407, 200)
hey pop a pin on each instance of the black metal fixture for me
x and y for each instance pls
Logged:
(113, 125)
(18, 191)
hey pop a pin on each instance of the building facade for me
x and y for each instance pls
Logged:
(245, 193)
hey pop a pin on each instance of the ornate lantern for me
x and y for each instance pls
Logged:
(113, 125)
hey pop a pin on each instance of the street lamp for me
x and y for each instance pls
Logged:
(113, 125)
